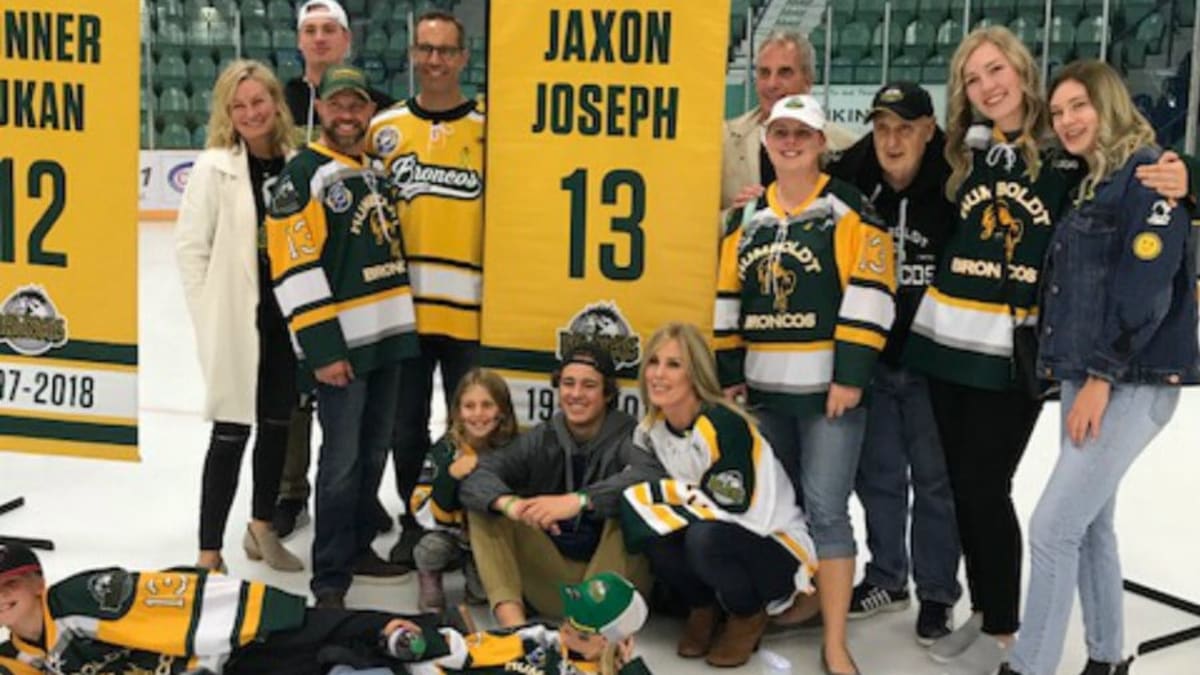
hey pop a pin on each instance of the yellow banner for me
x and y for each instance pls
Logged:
(68, 227)
(603, 181)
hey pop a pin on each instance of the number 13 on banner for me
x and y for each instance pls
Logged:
(603, 180)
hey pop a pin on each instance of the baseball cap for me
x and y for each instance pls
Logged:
(906, 99)
(591, 354)
(802, 107)
(333, 10)
(342, 78)
(18, 559)
(605, 603)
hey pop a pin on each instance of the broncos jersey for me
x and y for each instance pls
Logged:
(804, 297)
(435, 162)
(528, 650)
(171, 622)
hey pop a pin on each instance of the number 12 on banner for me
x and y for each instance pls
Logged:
(38, 170)
(629, 224)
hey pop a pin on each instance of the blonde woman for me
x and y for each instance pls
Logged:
(973, 321)
(245, 353)
(1123, 309)
(723, 530)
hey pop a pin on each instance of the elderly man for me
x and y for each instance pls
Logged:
(784, 66)
(323, 37)
(543, 510)
(901, 168)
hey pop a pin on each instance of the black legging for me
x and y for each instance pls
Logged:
(984, 434)
(275, 396)
(711, 562)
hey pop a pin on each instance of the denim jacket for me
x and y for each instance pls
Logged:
(1119, 288)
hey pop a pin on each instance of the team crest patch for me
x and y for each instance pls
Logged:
(386, 140)
(1147, 246)
(112, 590)
(1160, 214)
(338, 198)
(727, 488)
(891, 95)
(286, 199)
(603, 323)
(30, 323)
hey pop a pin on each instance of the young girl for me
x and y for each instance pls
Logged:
(1122, 304)
(481, 419)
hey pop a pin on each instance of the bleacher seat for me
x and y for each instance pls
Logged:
(168, 9)
(855, 40)
(171, 71)
(906, 67)
(936, 10)
(895, 41)
(935, 70)
(868, 12)
(170, 34)
(1071, 10)
(1088, 35)
(288, 65)
(283, 37)
(376, 71)
(1062, 39)
(254, 13)
(376, 44)
(199, 35)
(380, 13)
(201, 105)
(144, 129)
(199, 136)
(225, 10)
(175, 136)
(398, 86)
(1150, 31)
(919, 39)
(192, 9)
(1133, 11)
(1000, 11)
(904, 11)
(841, 70)
(949, 34)
(201, 71)
(173, 105)
(1026, 31)
(355, 7)
(280, 13)
(256, 43)
(869, 70)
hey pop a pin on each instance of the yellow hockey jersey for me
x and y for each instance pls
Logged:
(435, 162)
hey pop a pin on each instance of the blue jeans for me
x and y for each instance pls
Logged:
(821, 456)
(1072, 541)
(902, 437)
(356, 430)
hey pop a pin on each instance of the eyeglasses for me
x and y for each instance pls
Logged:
(444, 51)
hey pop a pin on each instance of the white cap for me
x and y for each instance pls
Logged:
(802, 107)
(333, 10)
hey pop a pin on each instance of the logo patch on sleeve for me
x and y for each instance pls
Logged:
(1147, 246)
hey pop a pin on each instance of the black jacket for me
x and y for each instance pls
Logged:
(919, 218)
(538, 462)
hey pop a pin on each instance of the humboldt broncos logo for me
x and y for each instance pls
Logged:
(413, 179)
(773, 276)
(997, 215)
(603, 324)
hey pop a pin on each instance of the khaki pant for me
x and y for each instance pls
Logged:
(517, 561)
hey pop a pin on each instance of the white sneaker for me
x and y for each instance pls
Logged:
(983, 657)
(945, 649)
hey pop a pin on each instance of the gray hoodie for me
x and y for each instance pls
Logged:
(538, 463)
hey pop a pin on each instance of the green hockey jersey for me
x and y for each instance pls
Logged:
(171, 622)
(338, 263)
(528, 650)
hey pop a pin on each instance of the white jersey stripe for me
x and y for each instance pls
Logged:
(789, 372)
(302, 289)
(218, 615)
(431, 280)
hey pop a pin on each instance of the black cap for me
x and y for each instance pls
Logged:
(16, 559)
(906, 99)
(592, 354)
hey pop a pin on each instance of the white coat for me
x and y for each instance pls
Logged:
(216, 244)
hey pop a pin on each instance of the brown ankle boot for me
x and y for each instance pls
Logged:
(738, 640)
(430, 597)
(698, 632)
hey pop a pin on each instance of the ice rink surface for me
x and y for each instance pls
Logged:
(144, 515)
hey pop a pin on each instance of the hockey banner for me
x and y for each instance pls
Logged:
(603, 181)
(68, 227)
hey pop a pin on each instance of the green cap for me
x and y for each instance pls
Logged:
(605, 603)
(343, 78)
